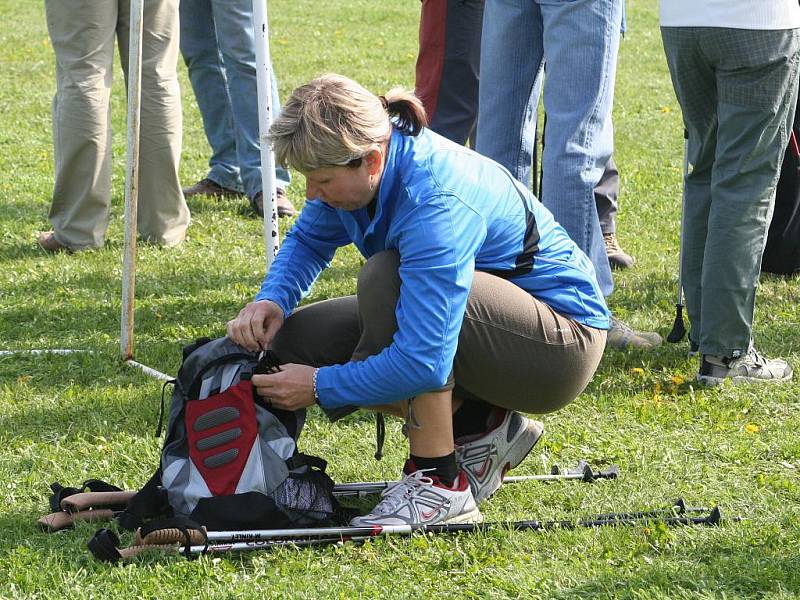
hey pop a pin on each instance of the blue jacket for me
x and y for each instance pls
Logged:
(448, 211)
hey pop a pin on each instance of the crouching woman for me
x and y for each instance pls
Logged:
(473, 306)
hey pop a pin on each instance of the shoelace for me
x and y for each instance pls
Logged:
(394, 495)
(758, 359)
(612, 245)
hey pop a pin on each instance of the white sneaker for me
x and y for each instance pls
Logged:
(487, 458)
(417, 499)
(751, 367)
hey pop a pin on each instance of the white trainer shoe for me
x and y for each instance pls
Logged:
(488, 457)
(752, 367)
(419, 499)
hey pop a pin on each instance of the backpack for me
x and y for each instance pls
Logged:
(782, 250)
(229, 461)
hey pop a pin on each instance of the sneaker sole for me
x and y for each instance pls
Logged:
(534, 429)
(710, 381)
(473, 516)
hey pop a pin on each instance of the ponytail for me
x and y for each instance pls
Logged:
(406, 109)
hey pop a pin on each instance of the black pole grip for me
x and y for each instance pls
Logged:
(678, 328)
(104, 546)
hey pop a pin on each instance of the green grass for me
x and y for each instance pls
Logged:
(67, 418)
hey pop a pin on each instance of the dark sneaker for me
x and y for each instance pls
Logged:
(617, 257)
(285, 207)
(47, 241)
(622, 337)
(486, 458)
(694, 348)
(752, 367)
(420, 500)
(207, 187)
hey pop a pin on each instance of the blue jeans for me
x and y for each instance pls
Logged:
(218, 47)
(579, 40)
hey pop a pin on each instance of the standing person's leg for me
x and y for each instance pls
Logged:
(448, 65)
(162, 215)
(606, 197)
(756, 75)
(606, 193)
(695, 87)
(198, 42)
(511, 64)
(581, 40)
(82, 34)
(234, 26)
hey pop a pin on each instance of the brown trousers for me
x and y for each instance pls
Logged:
(514, 351)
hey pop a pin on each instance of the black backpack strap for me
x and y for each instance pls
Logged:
(380, 435)
(161, 409)
(306, 460)
(149, 502)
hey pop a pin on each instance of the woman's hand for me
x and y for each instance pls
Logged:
(290, 389)
(256, 325)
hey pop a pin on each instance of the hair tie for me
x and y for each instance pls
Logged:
(384, 102)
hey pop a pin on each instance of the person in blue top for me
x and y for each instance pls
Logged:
(473, 305)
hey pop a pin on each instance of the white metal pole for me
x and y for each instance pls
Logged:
(264, 81)
(131, 177)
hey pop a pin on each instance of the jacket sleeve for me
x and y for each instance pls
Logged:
(307, 250)
(437, 243)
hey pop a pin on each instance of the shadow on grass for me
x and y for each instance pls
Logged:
(721, 567)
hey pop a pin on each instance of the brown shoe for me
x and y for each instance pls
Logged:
(285, 207)
(207, 187)
(48, 242)
(617, 257)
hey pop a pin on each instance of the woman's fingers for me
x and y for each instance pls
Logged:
(289, 389)
(256, 325)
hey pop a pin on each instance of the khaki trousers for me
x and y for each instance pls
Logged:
(513, 350)
(83, 33)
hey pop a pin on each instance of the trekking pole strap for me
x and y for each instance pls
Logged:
(61, 492)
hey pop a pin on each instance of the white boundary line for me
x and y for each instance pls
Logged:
(44, 351)
(149, 370)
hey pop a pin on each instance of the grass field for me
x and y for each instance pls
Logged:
(68, 418)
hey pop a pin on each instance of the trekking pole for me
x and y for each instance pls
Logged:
(104, 545)
(582, 472)
(678, 328)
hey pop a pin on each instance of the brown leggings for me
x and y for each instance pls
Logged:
(514, 351)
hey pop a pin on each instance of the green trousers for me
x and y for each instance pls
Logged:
(737, 89)
(83, 33)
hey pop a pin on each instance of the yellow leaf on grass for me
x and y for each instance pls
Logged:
(677, 379)
(752, 428)
(637, 371)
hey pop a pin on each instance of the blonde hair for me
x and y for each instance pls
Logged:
(334, 121)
